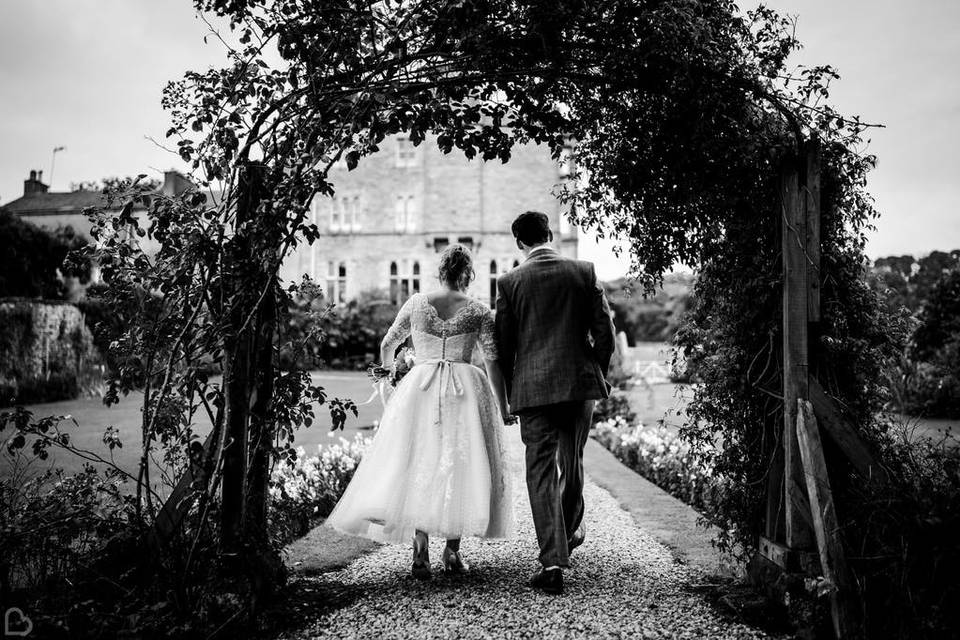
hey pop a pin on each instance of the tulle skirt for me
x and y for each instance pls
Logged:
(436, 463)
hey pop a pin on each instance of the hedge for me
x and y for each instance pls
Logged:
(46, 352)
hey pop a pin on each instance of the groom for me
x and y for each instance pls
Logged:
(555, 339)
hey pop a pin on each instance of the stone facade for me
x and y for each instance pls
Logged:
(392, 216)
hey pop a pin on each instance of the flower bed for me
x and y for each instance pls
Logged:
(663, 458)
(305, 490)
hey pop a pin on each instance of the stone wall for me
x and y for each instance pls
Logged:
(43, 340)
(402, 204)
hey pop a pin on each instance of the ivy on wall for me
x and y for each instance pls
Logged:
(46, 351)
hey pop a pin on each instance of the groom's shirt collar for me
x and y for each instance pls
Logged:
(541, 249)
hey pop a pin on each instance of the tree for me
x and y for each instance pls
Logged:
(909, 281)
(31, 259)
(650, 318)
(934, 348)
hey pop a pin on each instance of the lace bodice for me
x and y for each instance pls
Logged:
(437, 339)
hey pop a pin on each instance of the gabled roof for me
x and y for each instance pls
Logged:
(55, 202)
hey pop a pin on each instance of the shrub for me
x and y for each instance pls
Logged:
(649, 318)
(903, 538)
(304, 490)
(104, 322)
(57, 386)
(932, 386)
(31, 259)
(929, 389)
(343, 336)
(616, 406)
(46, 352)
(53, 525)
(664, 459)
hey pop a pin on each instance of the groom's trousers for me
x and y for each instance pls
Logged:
(554, 436)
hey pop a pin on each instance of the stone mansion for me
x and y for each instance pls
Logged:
(391, 217)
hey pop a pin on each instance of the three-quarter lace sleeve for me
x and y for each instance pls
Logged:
(399, 330)
(488, 337)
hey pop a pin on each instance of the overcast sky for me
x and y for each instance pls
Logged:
(87, 75)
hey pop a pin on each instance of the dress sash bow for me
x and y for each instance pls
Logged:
(447, 373)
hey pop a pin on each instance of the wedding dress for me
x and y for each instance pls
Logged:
(437, 460)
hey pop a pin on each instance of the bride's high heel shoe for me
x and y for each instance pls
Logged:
(453, 561)
(421, 558)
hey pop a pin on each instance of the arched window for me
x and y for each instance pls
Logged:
(493, 283)
(394, 283)
(336, 282)
(404, 280)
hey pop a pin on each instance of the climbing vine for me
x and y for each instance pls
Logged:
(678, 114)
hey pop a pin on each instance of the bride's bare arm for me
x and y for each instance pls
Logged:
(499, 385)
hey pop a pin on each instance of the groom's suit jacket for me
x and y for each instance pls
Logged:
(554, 331)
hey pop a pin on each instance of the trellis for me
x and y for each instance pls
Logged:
(801, 533)
(800, 513)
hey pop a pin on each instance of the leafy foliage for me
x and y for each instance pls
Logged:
(907, 281)
(924, 381)
(46, 353)
(343, 336)
(616, 406)
(939, 318)
(650, 318)
(903, 538)
(52, 525)
(664, 459)
(306, 489)
(932, 375)
(682, 113)
(31, 259)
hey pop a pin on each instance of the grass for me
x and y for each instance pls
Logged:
(935, 429)
(657, 402)
(665, 402)
(93, 418)
(654, 403)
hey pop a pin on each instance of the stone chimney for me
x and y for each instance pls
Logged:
(175, 183)
(34, 184)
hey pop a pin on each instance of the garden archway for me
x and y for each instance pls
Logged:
(694, 148)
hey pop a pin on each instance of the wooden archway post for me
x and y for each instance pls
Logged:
(788, 522)
(802, 530)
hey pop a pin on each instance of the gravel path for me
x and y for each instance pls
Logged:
(623, 584)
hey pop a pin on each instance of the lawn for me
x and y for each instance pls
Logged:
(654, 402)
(665, 402)
(93, 418)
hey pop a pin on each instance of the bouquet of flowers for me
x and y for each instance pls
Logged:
(401, 366)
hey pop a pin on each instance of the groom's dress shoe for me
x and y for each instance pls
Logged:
(548, 580)
(576, 539)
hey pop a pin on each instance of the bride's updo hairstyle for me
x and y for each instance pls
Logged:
(456, 267)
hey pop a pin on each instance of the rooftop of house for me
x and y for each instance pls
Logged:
(38, 200)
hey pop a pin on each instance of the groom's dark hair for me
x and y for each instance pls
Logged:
(531, 227)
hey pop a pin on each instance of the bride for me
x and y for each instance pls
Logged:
(436, 464)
